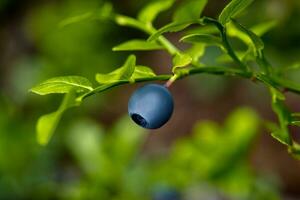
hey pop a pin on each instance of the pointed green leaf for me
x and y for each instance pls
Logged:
(189, 10)
(142, 72)
(150, 12)
(232, 9)
(172, 27)
(122, 73)
(257, 42)
(62, 84)
(181, 60)
(130, 22)
(47, 124)
(137, 45)
(202, 38)
(282, 134)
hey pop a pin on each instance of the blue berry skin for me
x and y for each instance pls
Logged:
(151, 106)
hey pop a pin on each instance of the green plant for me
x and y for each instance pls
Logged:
(249, 64)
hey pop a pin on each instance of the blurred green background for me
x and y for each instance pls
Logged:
(214, 147)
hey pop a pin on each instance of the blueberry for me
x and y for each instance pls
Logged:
(151, 106)
(166, 194)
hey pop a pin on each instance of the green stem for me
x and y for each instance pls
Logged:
(225, 41)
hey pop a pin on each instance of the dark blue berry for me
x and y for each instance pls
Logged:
(166, 194)
(151, 106)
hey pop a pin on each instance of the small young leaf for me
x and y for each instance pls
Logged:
(172, 27)
(137, 45)
(142, 72)
(189, 10)
(181, 60)
(202, 38)
(62, 84)
(47, 124)
(150, 12)
(122, 73)
(232, 9)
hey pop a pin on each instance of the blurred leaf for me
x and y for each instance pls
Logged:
(172, 27)
(63, 84)
(122, 73)
(103, 13)
(47, 124)
(189, 10)
(137, 45)
(232, 9)
(181, 60)
(262, 28)
(88, 150)
(142, 72)
(202, 38)
(150, 12)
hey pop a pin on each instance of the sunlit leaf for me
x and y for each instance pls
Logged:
(137, 45)
(232, 9)
(142, 72)
(122, 73)
(62, 84)
(149, 13)
(189, 10)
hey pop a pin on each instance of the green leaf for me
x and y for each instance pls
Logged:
(137, 45)
(232, 9)
(47, 124)
(202, 38)
(142, 72)
(257, 42)
(172, 27)
(196, 51)
(282, 134)
(150, 12)
(181, 60)
(189, 10)
(130, 22)
(122, 73)
(62, 84)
